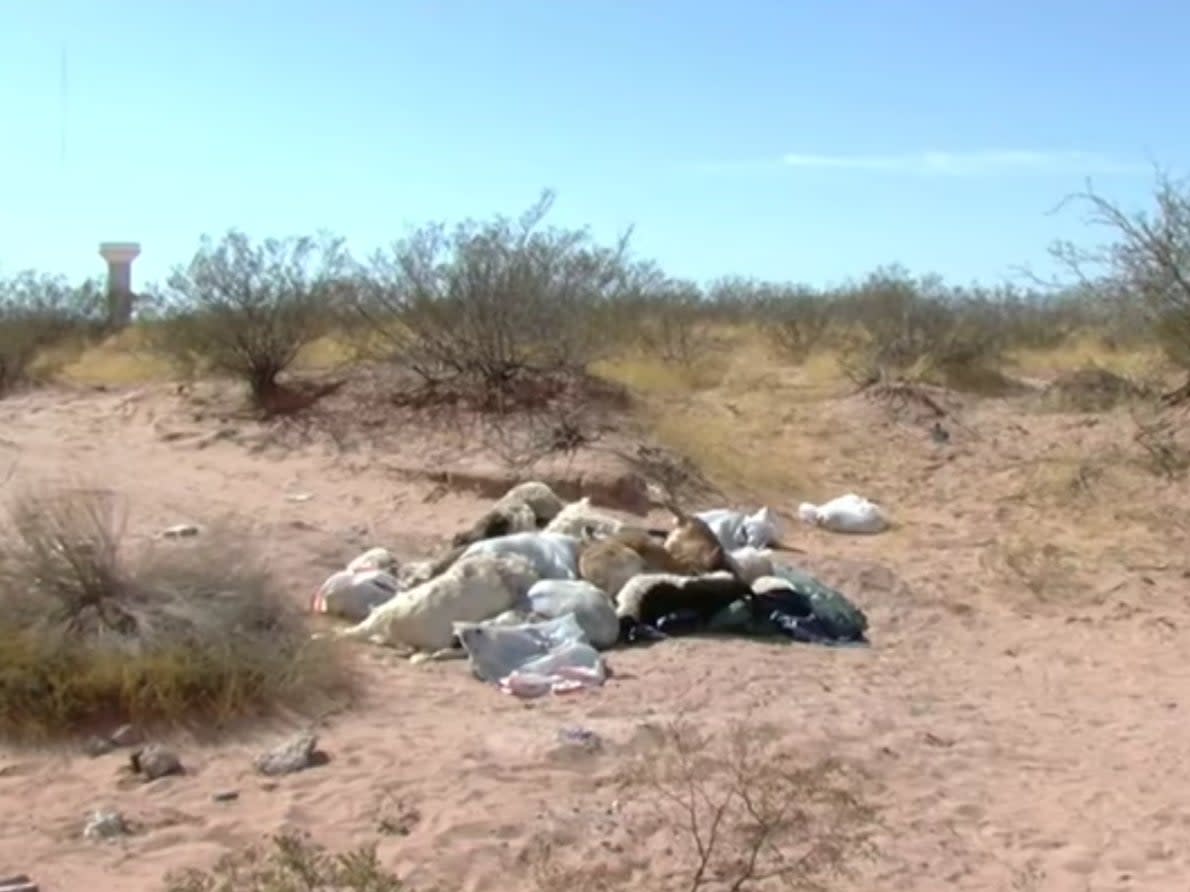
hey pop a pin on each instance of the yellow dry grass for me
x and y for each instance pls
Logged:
(1086, 351)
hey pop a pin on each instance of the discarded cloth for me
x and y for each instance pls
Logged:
(533, 659)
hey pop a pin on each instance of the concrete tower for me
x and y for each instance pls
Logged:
(119, 257)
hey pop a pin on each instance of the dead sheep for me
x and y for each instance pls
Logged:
(610, 561)
(649, 597)
(579, 518)
(524, 508)
(543, 501)
(421, 619)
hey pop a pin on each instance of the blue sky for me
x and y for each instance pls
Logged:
(808, 140)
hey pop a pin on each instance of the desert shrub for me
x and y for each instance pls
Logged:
(1091, 389)
(737, 812)
(181, 631)
(38, 312)
(1145, 265)
(293, 863)
(795, 319)
(484, 306)
(798, 322)
(674, 324)
(917, 327)
(247, 309)
(1161, 439)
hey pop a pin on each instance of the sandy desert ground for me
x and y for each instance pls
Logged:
(1018, 722)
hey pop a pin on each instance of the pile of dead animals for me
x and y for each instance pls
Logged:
(536, 589)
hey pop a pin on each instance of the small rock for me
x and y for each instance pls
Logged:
(96, 746)
(581, 737)
(17, 883)
(180, 531)
(155, 761)
(293, 755)
(104, 824)
(299, 496)
(223, 796)
(126, 735)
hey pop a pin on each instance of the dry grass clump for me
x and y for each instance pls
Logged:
(182, 632)
(293, 863)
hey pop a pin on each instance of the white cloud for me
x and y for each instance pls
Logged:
(993, 161)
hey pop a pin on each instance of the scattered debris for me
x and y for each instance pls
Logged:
(939, 434)
(96, 746)
(105, 824)
(180, 531)
(126, 735)
(17, 883)
(154, 761)
(584, 738)
(293, 755)
(221, 796)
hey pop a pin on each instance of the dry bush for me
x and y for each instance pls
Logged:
(744, 813)
(1159, 435)
(38, 312)
(293, 863)
(1091, 389)
(796, 319)
(799, 324)
(485, 309)
(248, 309)
(1146, 265)
(674, 326)
(913, 328)
(180, 632)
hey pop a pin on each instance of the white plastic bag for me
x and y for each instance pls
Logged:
(735, 529)
(848, 513)
(353, 595)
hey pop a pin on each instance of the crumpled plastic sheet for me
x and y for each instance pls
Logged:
(533, 659)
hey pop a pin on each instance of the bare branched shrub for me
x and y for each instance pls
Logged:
(674, 325)
(179, 632)
(798, 323)
(922, 329)
(293, 863)
(247, 309)
(752, 815)
(37, 312)
(483, 308)
(1159, 435)
(1146, 265)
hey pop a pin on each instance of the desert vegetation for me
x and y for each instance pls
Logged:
(96, 631)
(508, 312)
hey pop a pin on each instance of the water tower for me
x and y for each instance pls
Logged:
(119, 257)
